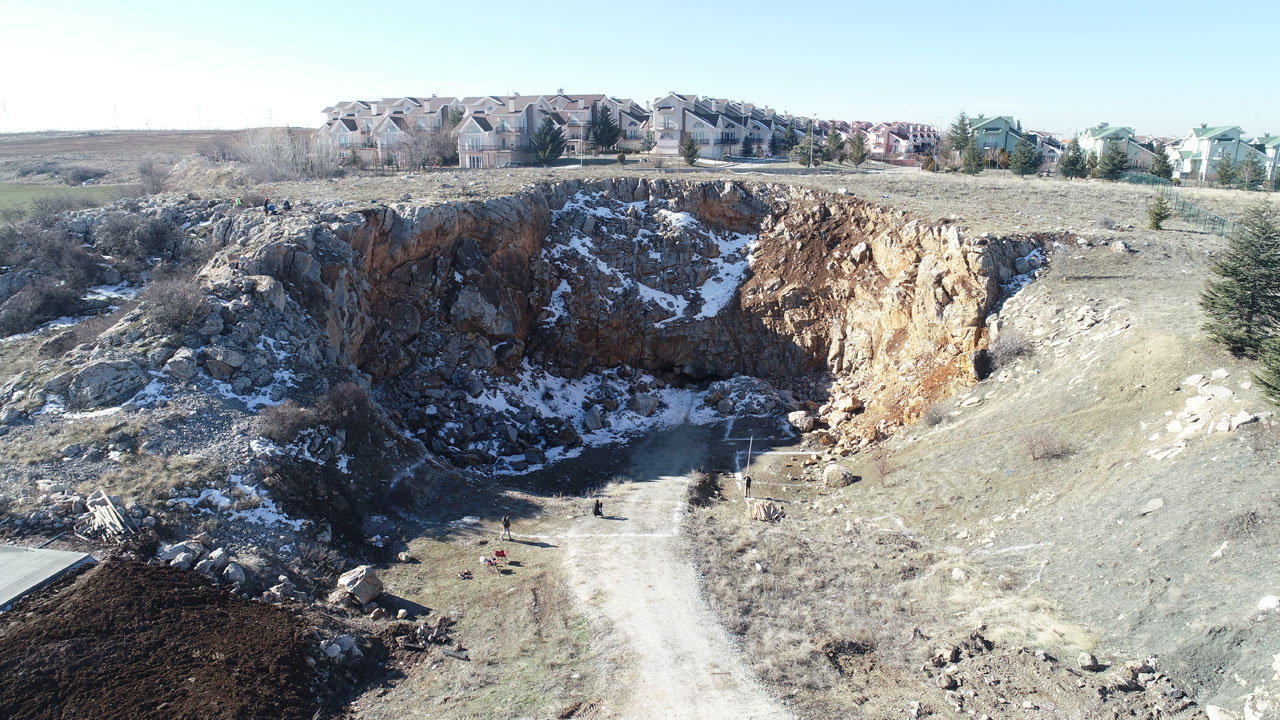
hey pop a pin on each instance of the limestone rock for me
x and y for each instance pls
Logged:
(182, 365)
(1086, 661)
(362, 583)
(593, 420)
(105, 382)
(644, 404)
(838, 476)
(800, 420)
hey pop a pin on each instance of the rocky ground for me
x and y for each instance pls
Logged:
(368, 373)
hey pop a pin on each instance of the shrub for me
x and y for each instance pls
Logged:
(1105, 223)
(282, 423)
(622, 158)
(152, 177)
(44, 167)
(174, 302)
(79, 175)
(42, 300)
(347, 406)
(133, 236)
(1009, 346)
(1047, 444)
(934, 416)
(46, 208)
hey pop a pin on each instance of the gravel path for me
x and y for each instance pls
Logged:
(632, 569)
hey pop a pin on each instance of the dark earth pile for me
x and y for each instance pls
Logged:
(125, 640)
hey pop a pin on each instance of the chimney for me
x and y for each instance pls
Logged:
(559, 91)
(1204, 125)
(1101, 125)
(433, 94)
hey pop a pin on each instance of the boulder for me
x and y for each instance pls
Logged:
(105, 382)
(182, 365)
(362, 583)
(800, 420)
(838, 476)
(222, 361)
(1088, 662)
(644, 404)
(183, 561)
(593, 420)
(234, 574)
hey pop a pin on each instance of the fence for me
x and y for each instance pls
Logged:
(1188, 211)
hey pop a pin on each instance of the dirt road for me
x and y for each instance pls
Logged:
(631, 568)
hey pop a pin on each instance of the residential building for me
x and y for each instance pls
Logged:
(1269, 145)
(1203, 147)
(996, 133)
(1096, 139)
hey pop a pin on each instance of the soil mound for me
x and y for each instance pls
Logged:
(125, 640)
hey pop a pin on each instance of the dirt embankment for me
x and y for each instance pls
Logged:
(124, 640)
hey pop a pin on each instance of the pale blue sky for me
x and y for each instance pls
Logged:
(1159, 67)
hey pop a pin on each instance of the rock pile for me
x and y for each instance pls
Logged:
(201, 554)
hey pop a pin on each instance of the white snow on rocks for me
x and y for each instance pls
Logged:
(240, 501)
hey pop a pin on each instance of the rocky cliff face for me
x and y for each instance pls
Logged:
(502, 331)
(863, 310)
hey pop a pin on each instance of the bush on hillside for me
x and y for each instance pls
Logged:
(172, 303)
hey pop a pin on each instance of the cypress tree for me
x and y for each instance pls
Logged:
(1243, 304)
(958, 134)
(690, 150)
(548, 143)
(1026, 157)
(1113, 162)
(1160, 167)
(972, 160)
(858, 152)
(1226, 170)
(1072, 163)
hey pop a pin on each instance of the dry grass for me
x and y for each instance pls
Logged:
(1047, 444)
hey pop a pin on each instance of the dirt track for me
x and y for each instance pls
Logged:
(631, 570)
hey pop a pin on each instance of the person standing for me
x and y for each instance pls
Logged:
(746, 480)
(266, 206)
(506, 527)
(598, 509)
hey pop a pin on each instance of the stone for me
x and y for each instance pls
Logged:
(593, 421)
(1216, 713)
(105, 382)
(182, 365)
(644, 404)
(1152, 505)
(947, 681)
(838, 476)
(401, 614)
(1087, 661)
(404, 557)
(379, 614)
(234, 574)
(362, 583)
(800, 420)
(1120, 246)
(218, 560)
(183, 561)
(860, 252)
(725, 406)
(222, 361)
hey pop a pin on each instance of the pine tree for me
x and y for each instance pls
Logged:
(959, 134)
(748, 148)
(1269, 378)
(1226, 170)
(1243, 305)
(774, 144)
(789, 138)
(807, 152)
(1026, 157)
(1114, 161)
(690, 149)
(833, 149)
(1251, 171)
(649, 141)
(605, 132)
(1160, 167)
(1072, 163)
(1091, 163)
(548, 143)
(1158, 212)
(858, 152)
(972, 160)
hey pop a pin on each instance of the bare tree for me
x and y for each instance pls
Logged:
(423, 147)
(274, 154)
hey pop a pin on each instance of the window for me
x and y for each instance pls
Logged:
(473, 161)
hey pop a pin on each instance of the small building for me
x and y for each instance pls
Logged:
(1204, 147)
(1096, 139)
(996, 133)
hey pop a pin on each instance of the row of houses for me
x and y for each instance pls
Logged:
(1194, 156)
(495, 130)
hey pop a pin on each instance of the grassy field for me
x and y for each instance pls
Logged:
(18, 195)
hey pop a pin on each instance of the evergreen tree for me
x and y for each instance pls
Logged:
(649, 141)
(548, 143)
(972, 160)
(774, 144)
(1114, 161)
(1243, 304)
(833, 149)
(748, 148)
(1091, 163)
(1026, 157)
(1160, 167)
(690, 149)
(455, 117)
(1072, 163)
(959, 135)
(605, 131)
(807, 152)
(858, 152)
(789, 138)
(1269, 378)
(1251, 171)
(1226, 170)
(1158, 212)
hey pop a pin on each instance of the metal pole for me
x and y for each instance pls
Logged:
(750, 441)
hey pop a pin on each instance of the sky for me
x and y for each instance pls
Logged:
(1062, 67)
